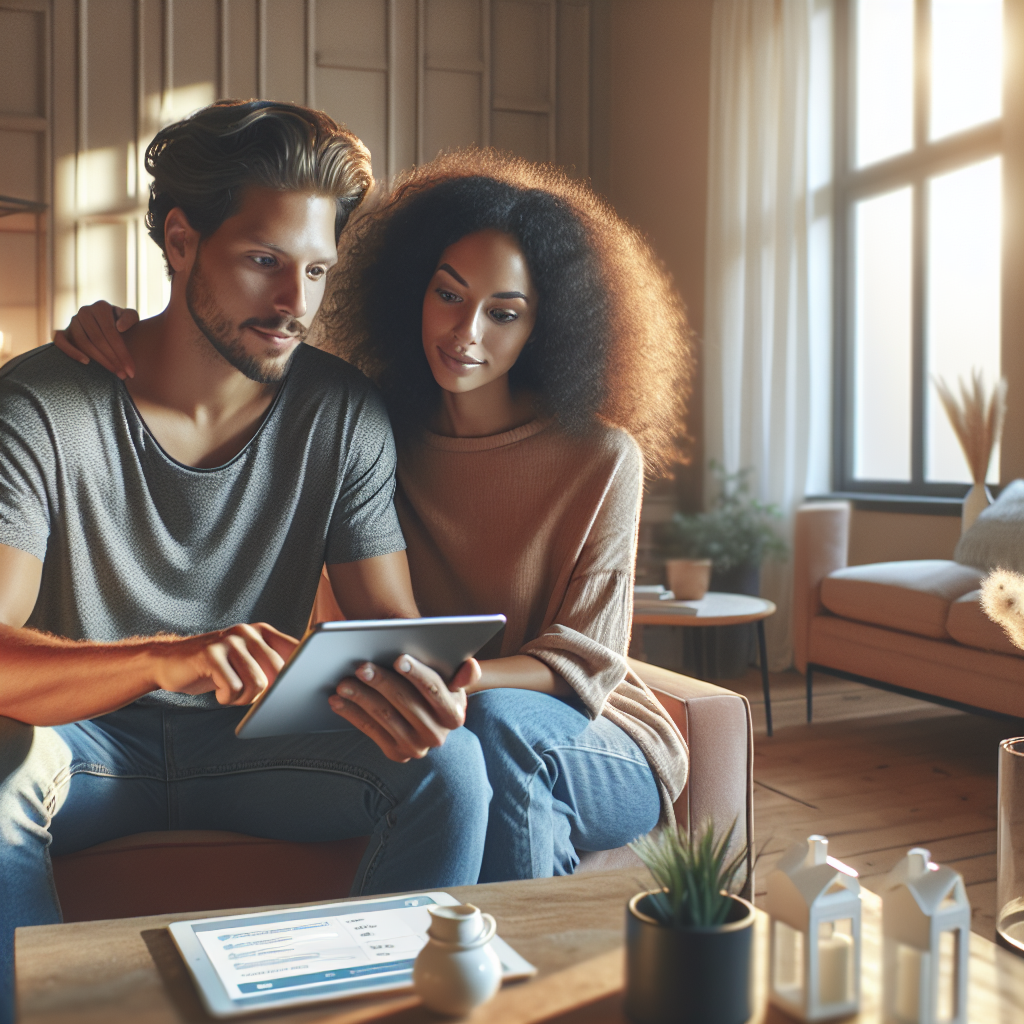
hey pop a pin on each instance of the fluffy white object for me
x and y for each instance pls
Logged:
(1002, 600)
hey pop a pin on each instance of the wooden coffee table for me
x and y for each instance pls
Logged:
(572, 928)
(714, 609)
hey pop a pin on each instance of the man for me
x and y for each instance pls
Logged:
(161, 539)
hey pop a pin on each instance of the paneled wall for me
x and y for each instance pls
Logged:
(24, 173)
(410, 77)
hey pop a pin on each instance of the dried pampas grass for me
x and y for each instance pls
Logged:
(976, 418)
(1002, 600)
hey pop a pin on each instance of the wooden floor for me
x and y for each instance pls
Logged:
(877, 773)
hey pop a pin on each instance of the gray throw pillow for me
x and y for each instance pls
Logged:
(997, 536)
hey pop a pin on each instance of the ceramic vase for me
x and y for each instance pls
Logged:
(976, 501)
(688, 975)
(457, 969)
(688, 578)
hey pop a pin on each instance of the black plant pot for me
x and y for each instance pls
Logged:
(691, 975)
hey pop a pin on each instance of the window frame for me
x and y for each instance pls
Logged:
(914, 168)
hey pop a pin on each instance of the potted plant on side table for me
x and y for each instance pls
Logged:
(736, 534)
(689, 941)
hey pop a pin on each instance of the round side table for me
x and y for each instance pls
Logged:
(714, 609)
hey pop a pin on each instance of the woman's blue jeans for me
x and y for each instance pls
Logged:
(561, 782)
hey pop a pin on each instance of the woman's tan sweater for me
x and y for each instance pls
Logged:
(541, 526)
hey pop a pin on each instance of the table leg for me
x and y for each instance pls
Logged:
(703, 641)
(763, 651)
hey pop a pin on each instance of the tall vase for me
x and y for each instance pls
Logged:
(1010, 846)
(976, 501)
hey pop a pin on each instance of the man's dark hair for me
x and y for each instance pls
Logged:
(204, 163)
(610, 341)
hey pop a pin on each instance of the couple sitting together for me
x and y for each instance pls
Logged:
(163, 527)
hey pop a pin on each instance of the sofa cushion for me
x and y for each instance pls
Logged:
(939, 668)
(968, 624)
(910, 596)
(996, 538)
(191, 871)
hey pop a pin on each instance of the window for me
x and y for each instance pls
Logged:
(919, 89)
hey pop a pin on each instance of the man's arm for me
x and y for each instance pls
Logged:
(49, 680)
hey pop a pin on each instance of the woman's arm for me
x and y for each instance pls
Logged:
(585, 643)
(583, 650)
(520, 672)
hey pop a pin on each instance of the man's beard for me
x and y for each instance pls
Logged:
(216, 328)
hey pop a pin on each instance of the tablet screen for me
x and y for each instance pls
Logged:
(296, 951)
(287, 957)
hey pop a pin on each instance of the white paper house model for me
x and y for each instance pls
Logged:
(814, 903)
(926, 927)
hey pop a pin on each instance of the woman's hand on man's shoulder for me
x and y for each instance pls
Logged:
(94, 334)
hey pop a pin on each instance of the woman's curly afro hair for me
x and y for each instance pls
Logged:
(611, 342)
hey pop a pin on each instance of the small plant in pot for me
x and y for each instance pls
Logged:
(689, 941)
(736, 535)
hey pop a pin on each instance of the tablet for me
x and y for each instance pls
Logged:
(272, 960)
(296, 702)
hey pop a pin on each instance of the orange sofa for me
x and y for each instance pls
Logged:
(180, 872)
(915, 627)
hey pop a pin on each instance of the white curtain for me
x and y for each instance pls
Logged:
(766, 345)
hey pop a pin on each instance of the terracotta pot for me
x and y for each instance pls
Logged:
(688, 578)
(688, 975)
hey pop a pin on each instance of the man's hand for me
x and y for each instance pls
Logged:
(95, 333)
(237, 663)
(49, 680)
(407, 711)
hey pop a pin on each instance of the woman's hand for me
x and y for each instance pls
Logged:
(95, 333)
(405, 711)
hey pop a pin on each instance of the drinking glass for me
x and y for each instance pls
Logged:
(1010, 846)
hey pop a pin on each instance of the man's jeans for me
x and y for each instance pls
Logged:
(144, 768)
(562, 780)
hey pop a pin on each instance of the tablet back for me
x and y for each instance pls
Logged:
(296, 702)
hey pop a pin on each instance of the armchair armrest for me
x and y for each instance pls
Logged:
(821, 541)
(715, 723)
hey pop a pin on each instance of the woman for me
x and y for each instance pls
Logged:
(533, 357)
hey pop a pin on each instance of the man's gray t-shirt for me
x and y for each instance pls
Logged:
(134, 543)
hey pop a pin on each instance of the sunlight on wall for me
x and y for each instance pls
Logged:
(114, 257)
(100, 179)
(19, 328)
(102, 264)
(175, 104)
(19, 284)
